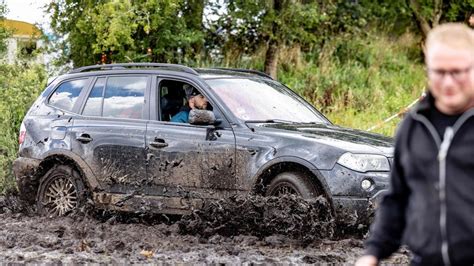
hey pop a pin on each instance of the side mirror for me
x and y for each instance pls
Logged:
(202, 117)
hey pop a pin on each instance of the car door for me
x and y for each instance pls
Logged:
(185, 159)
(110, 133)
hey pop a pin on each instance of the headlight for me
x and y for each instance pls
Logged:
(364, 162)
(366, 184)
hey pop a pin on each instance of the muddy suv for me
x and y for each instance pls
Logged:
(106, 134)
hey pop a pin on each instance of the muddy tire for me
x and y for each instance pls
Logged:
(61, 192)
(292, 183)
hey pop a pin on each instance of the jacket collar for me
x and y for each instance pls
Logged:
(425, 104)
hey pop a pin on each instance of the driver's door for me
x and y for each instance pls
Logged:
(188, 160)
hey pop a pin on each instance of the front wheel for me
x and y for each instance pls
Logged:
(61, 192)
(292, 183)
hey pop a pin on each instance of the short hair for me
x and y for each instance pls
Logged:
(454, 35)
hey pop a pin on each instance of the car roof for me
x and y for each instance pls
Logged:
(206, 73)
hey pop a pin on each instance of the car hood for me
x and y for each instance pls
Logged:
(347, 139)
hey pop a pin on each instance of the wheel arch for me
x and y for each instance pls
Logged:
(285, 164)
(56, 157)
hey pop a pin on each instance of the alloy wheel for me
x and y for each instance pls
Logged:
(60, 197)
(284, 189)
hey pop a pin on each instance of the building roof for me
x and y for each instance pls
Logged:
(21, 28)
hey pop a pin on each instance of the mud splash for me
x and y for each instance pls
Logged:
(258, 230)
(12, 203)
(260, 216)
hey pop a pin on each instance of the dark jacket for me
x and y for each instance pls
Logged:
(430, 204)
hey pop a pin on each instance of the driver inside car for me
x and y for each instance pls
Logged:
(195, 100)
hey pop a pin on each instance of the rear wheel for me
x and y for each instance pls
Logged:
(292, 183)
(61, 192)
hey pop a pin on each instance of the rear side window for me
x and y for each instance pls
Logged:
(121, 97)
(93, 105)
(65, 96)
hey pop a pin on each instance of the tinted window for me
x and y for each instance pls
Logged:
(124, 97)
(66, 94)
(93, 105)
(175, 100)
(172, 97)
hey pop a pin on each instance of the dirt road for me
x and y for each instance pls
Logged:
(99, 238)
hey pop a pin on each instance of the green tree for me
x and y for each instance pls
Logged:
(67, 20)
(421, 15)
(20, 85)
(4, 33)
(193, 13)
(430, 13)
(250, 25)
(116, 31)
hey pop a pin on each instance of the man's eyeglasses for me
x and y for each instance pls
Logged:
(457, 74)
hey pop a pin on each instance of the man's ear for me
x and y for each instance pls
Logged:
(191, 103)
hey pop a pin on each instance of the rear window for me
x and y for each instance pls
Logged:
(65, 96)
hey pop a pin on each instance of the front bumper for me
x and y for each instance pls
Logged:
(352, 211)
(352, 204)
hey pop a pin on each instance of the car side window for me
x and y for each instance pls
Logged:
(121, 97)
(174, 100)
(66, 95)
(93, 105)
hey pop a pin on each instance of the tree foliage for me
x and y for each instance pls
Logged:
(117, 31)
(187, 31)
(418, 15)
(430, 13)
(247, 26)
(20, 85)
(4, 33)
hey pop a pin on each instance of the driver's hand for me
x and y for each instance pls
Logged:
(191, 103)
(367, 260)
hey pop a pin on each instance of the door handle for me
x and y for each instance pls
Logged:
(158, 143)
(251, 151)
(84, 138)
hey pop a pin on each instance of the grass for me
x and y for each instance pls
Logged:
(362, 82)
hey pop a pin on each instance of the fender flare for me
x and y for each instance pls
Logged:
(89, 178)
(296, 160)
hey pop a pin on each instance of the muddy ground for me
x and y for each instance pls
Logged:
(233, 231)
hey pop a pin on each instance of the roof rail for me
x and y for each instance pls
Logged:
(130, 65)
(256, 72)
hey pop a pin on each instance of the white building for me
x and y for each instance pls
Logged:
(24, 43)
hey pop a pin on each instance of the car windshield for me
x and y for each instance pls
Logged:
(258, 100)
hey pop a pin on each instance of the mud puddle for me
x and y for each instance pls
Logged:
(248, 230)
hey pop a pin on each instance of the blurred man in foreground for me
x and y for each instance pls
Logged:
(430, 204)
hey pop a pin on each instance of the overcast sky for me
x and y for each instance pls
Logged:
(28, 10)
